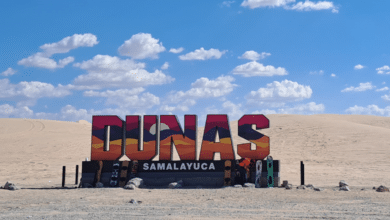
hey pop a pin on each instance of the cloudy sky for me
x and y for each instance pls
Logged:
(69, 60)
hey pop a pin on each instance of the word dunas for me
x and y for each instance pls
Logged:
(112, 137)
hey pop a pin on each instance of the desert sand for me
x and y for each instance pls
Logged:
(354, 148)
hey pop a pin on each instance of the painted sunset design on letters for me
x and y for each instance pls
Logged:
(99, 125)
(216, 123)
(133, 149)
(171, 133)
(245, 131)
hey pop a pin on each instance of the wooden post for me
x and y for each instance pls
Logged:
(77, 175)
(63, 176)
(302, 173)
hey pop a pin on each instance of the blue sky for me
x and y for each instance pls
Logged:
(71, 60)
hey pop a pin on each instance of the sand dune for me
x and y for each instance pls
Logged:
(354, 148)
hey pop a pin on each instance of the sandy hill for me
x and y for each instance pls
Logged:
(354, 148)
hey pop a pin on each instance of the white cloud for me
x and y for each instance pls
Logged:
(265, 3)
(67, 113)
(39, 60)
(8, 72)
(369, 110)
(227, 3)
(233, 110)
(105, 71)
(202, 54)
(7, 111)
(141, 46)
(276, 93)
(253, 55)
(178, 50)
(358, 67)
(165, 66)
(70, 43)
(381, 70)
(31, 90)
(300, 6)
(362, 87)
(119, 92)
(264, 112)
(382, 89)
(310, 108)
(183, 106)
(312, 6)
(321, 72)
(254, 68)
(386, 97)
(42, 59)
(127, 98)
(333, 75)
(205, 88)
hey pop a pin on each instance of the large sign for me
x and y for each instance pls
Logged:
(112, 137)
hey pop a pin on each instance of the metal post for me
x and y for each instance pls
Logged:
(302, 173)
(63, 176)
(77, 175)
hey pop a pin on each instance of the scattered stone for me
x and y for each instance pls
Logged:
(174, 185)
(382, 189)
(99, 185)
(373, 187)
(7, 184)
(251, 185)
(13, 187)
(285, 183)
(130, 186)
(10, 186)
(289, 186)
(345, 188)
(310, 186)
(138, 182)
(237, 186)
(342, 183)
(301, 187)
(318, 189)
(133, 201)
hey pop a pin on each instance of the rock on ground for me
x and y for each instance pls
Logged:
(137, 182)
(10, 186)
(130, 186)
(249, 185)
(309, 186)
(174, 185)
(342, 183)
(345, 188)
(382, 189)
(133, 201)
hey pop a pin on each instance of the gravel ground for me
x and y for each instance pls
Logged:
(225, 203)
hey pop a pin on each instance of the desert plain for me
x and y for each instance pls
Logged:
(353, 148)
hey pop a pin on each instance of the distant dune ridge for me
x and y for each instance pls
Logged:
(354, 148)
